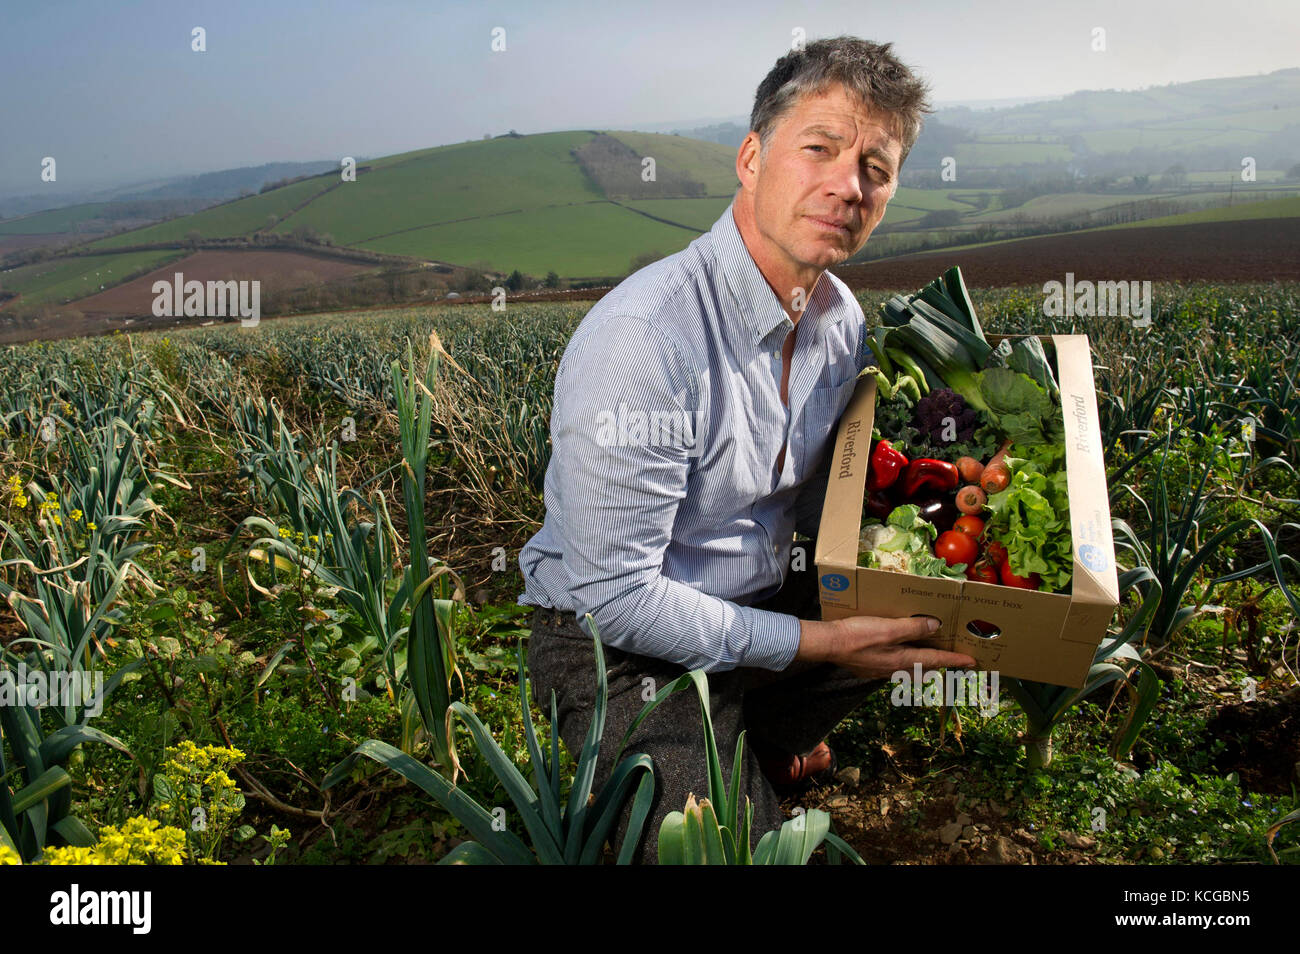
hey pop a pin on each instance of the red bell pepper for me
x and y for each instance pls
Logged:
(927, 475)
(887, 465)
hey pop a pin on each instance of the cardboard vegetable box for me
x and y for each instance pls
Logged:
(1047, 637)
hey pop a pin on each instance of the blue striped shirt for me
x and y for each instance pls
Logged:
(666, 518)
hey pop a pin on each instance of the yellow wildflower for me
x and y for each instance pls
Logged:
(71, 855)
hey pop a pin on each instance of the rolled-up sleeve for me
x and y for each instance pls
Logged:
(623, 477)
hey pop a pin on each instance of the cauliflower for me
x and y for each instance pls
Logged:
(902, 545)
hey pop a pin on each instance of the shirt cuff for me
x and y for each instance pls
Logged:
(775, 639)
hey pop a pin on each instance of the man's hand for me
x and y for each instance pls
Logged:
(875, 647)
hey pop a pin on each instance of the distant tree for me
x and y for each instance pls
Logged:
(310, 235)
(1174, 177)
(193, 237)
(552, 280)
(1294, 172)
(1141, 182)
(515, 281)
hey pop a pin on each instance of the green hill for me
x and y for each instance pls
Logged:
(53, 221)
(228, 220)
(1205, 121)
(572, 201)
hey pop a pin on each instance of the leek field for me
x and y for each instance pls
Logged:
(286, 552)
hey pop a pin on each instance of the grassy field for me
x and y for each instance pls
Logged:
(1240, 130)
(51, 222)
(1268, 209)
(590, 240)
(1054, 206)
(230, 219)
(695, 213)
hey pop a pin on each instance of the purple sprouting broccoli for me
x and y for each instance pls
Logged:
(945, 419)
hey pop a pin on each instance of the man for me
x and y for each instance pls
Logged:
(678, 539)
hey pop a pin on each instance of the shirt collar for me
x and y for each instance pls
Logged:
(755, 300)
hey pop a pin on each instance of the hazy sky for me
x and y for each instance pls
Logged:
(113, 90)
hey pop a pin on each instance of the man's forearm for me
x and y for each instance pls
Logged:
(818, 641)
(671, 620)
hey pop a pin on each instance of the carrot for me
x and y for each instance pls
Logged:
(996, 478)
(970, 469)
(997, 475)
(971, 499)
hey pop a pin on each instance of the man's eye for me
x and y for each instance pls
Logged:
(814, 147)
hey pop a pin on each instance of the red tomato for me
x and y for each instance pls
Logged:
(1031, 582)
(955, 547)
(996, 552)
(970, 525)
(983, 572)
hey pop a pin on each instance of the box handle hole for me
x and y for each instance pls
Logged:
(983, 629)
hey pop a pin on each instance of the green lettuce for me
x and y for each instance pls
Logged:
(1032, 517)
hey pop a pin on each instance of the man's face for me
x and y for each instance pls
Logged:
(821, 189)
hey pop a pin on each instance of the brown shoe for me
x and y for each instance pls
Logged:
(793, 772)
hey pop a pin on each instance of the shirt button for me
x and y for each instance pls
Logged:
(776, 549)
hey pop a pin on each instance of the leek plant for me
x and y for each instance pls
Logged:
(1045, 705)
(68, 605)
(40, 812)
(357, 555)
(1169, 547)
(572, 831)
(714, 830)
(430, 647)
(281, 472)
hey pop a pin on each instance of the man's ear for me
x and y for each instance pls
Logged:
(748, 161)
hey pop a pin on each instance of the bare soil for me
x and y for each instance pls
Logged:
(1260, 250)
(130, 305)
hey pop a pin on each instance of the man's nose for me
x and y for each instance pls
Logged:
(846, 180)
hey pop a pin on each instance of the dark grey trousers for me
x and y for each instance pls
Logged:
(792, 711)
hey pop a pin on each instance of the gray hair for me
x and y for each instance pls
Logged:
(869, 71)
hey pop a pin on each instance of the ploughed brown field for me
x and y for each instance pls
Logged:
(130, 305)
(1258, 250)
